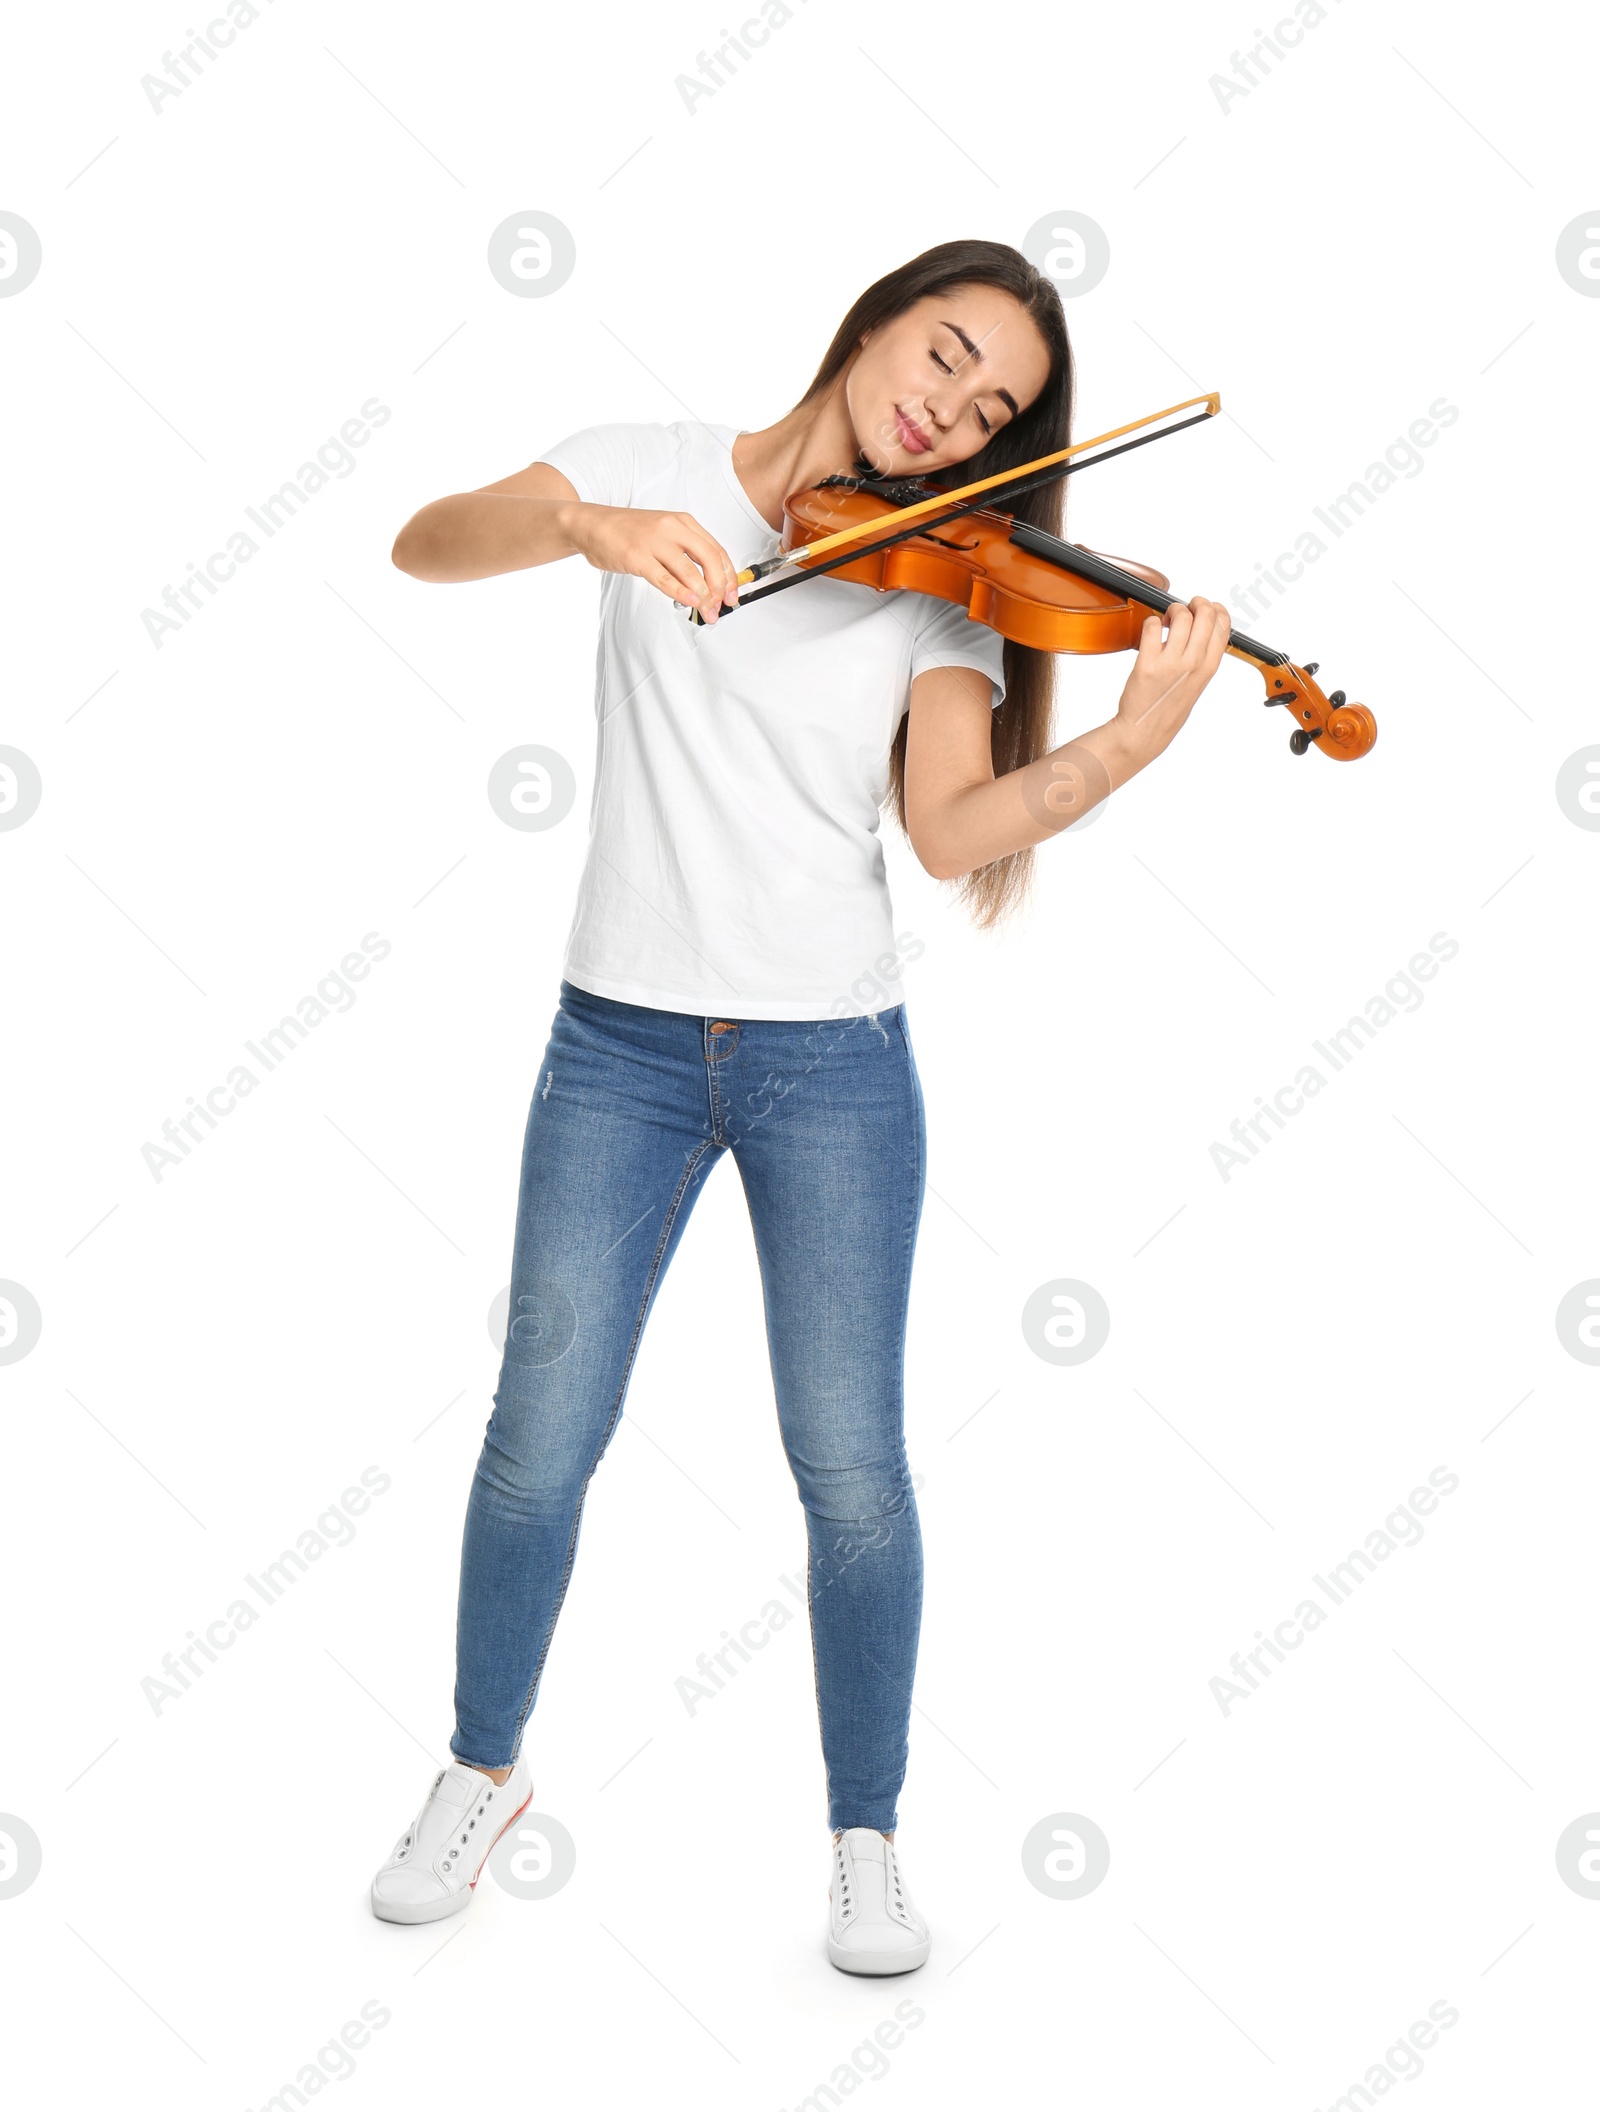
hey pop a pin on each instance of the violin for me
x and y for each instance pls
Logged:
(1057, 596)
(1030, 586)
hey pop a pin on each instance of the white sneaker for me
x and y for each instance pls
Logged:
(873, 1926)
(438, 1859)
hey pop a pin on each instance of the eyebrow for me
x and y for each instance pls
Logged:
(973, 352)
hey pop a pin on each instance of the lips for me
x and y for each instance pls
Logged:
(912, 437)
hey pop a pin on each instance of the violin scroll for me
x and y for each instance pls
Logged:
(1344, 731)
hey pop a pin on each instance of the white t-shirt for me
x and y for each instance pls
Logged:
(734, 863)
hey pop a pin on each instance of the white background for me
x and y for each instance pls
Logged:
(1292, 1350)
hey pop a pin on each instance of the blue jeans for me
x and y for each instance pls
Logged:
(632, 1108)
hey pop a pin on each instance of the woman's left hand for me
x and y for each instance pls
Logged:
(1170, 673)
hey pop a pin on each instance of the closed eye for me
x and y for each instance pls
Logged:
(944, 368)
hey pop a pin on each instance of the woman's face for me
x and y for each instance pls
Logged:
(929, 388)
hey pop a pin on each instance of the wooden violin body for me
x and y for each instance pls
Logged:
(1055, 596)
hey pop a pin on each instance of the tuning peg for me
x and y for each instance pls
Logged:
(1312, 666)
(1337, 697)
(1302, 737)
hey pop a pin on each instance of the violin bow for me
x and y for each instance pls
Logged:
(946, 506)
(956, 513)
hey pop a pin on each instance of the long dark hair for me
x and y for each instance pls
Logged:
(1020, 730)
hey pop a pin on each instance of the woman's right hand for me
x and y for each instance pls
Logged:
(669, 550)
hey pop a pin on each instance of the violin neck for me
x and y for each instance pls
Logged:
(1088, 564)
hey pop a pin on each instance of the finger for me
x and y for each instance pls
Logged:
(1210, 641)
(714, 562)
(695, 588)
(659, 577)
(1150, 637)
(1202, 619)
(666, 547)
(681, 580)
(1180, 626)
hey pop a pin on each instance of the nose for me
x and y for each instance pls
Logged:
(934, 418)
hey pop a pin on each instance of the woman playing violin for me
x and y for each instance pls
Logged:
(731, 987)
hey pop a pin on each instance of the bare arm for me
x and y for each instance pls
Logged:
(535, 517)
(961, 816)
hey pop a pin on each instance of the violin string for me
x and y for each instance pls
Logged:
(1106, 572)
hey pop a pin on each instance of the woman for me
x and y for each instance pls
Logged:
(731, 985)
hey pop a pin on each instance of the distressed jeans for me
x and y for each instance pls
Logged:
(632, 1109)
